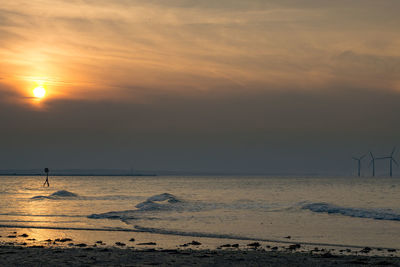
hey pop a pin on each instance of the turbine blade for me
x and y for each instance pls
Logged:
(395, 161)
(370, 163)
(394, 149)
(372, 156)
(363, 156)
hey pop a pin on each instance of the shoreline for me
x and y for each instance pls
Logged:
(62, 248)
(11, 255)
(278, 242)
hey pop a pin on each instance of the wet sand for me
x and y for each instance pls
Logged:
(89, 256)
(41, 247)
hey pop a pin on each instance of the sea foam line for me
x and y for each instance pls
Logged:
(377, 214)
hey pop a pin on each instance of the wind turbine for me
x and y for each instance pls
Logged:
(372, 163)
(391, 160)
(359, 163)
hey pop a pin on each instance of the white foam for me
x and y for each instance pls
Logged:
(164, 197)
(168, 202)
(161, 202)
(377, 214)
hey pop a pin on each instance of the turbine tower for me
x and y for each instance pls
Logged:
(359, 163)
(391, 160)
(372, 163)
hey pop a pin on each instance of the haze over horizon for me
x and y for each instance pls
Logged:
(241, 86)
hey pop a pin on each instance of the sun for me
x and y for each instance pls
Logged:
(39, 92)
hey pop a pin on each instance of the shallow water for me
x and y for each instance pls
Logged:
(340, 211)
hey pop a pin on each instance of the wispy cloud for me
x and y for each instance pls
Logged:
(180, 46)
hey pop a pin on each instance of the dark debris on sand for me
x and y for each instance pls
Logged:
(254, 245)
(193, 243)
(40, 256)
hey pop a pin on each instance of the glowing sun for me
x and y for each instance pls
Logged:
(39, 92)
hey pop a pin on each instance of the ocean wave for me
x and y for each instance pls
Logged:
(168, 202)
(161, 202)
(377, 214)
(164, 197)
(62, 194)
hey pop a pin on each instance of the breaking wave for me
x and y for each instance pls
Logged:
(168, 202)
(161, 202)
(58, 195)
(377, 214)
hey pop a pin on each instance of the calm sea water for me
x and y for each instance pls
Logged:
(341, 211)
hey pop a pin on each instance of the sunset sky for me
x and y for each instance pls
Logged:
(252, 86)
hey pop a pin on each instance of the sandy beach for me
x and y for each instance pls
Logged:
(41, 256)
(42, 248)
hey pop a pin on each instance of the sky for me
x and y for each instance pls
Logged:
(288, 86)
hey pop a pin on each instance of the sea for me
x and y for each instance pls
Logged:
(315, 211)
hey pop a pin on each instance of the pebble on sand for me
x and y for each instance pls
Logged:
(366, 250)
(294, 247)
(255, 245)
(193, 243)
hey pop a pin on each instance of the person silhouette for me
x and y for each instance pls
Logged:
(46, 170)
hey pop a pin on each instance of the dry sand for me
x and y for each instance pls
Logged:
(50, 256)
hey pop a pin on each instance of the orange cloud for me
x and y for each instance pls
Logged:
(127, 50)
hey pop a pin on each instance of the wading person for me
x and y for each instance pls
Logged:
(46, 170)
